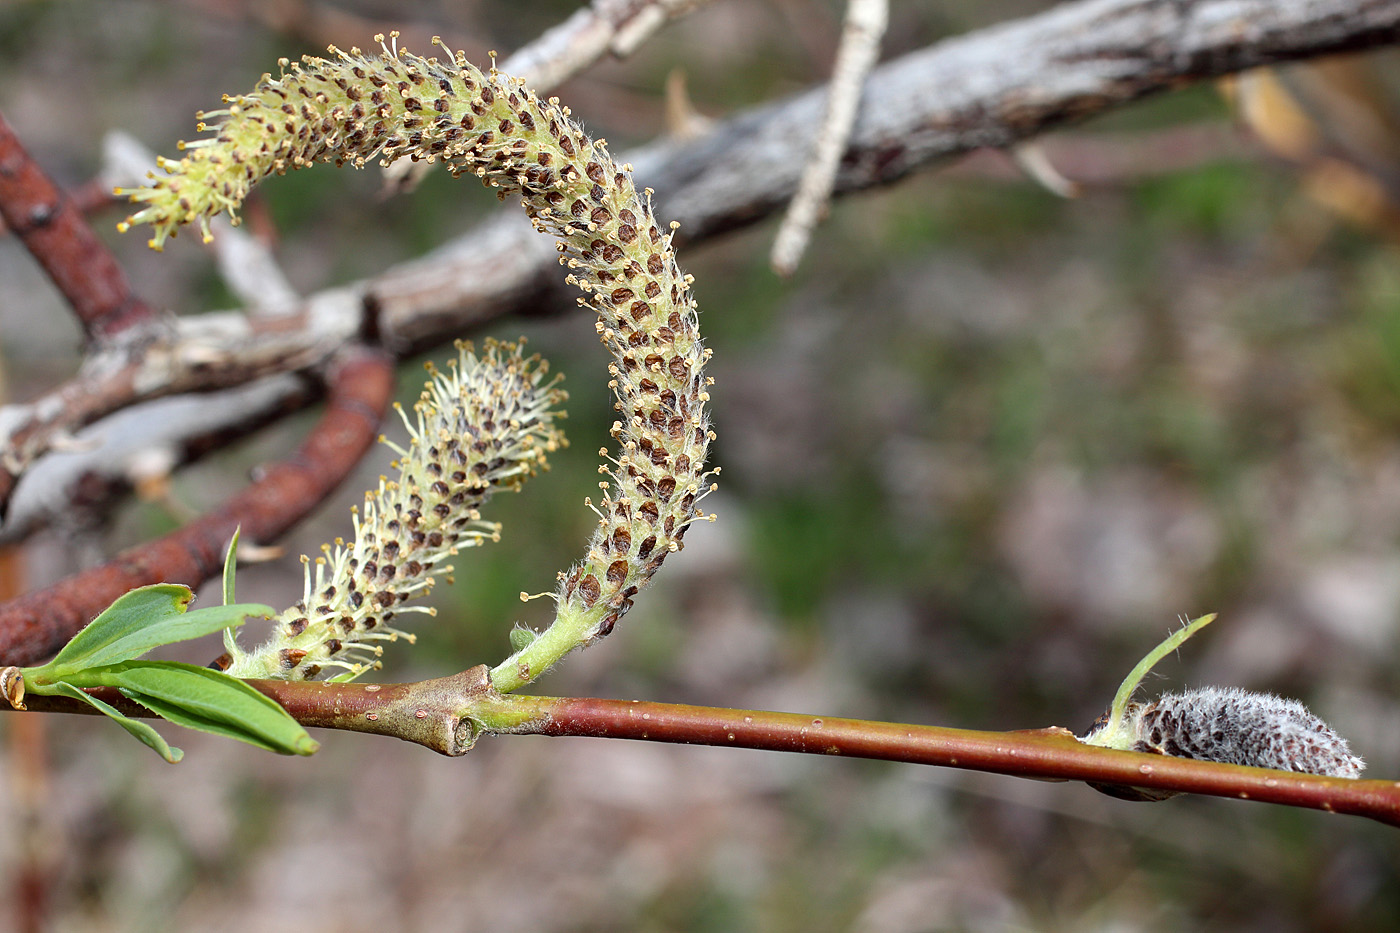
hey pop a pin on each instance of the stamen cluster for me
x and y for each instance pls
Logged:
(483, 425)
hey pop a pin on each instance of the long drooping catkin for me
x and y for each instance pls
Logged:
(357, 108)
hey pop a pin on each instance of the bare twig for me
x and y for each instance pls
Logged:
(55, 233)
(618, 27)
(361, 383)
(1033, 160)
(1051, 753)
(996, 87)
(860, 47)
(87, 275)
(251, 272)
(211, 351)
(447, 715)
(646, 21)
(86, 482)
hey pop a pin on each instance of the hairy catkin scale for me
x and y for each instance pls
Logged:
(483, 425)
(1239, 727)
(1234, 726)
(358, 108)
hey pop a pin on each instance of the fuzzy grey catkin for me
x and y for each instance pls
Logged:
(1239, 727)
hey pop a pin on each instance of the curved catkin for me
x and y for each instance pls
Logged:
(357, 108)
(482, 426)
(1239, 727)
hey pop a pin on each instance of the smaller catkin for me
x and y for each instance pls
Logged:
(483, 425)
(1239, 727)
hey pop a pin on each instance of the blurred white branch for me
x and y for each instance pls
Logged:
(993, 88)
(860, 47)
(245, 263)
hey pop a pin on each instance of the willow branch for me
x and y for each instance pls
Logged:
(616, 27)
(996, 87)
(35, 625)
(193, 355)
(449, 714)
(52, 228)
(87, 198)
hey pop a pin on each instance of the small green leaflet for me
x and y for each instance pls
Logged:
(104, 655)
(230, 564)
(140, 620)
(1115, 732)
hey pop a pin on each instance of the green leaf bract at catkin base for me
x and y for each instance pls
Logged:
(138, 621)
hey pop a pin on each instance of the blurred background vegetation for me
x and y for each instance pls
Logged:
(978, 455)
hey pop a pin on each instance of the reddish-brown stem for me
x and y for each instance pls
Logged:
(55, 233)
(87, 198)
(449, 713)
(361, 384)
(1041, 753)
(428, 713)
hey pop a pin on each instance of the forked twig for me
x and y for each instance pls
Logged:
(860, 47)
(60, 240)
(35, 625)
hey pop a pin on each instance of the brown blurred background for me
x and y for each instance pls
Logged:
(978, 455)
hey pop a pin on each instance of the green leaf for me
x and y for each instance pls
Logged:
(138, 621)
(1112, 735)
(204, 699)
(230, 562)
(184, 718)
(130, 610)
(521, 638)
(136, 727)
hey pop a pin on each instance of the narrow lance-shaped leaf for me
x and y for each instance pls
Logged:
(1113, 734)
(230, 562)
(144, 733)
(204, 699)
(139, 621)
(182, 717)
